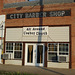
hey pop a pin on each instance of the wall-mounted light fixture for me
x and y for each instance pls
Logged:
(18, 8)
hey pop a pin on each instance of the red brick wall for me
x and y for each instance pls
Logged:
(1, 6)
(13, 1)
(65, 20)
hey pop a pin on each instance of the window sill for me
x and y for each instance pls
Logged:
(14, 59)
(57, 62)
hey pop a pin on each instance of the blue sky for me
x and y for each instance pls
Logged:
(31, 0)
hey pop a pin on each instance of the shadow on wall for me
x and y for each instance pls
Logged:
(40, 21)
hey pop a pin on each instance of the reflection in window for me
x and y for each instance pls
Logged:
(18, 50)
(9, 47)
(18, 46)
(52, 56)
(17, 54)
(52, 51)
(57, 49)
(63, 49)
(52, 47)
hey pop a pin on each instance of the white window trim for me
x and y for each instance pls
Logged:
(57, 51)
(7, 50)
(14, 51)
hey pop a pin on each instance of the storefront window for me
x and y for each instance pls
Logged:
(9, 47)
(63, 49)
(15, 49)
(52, 51)
(18, 46)
(52, 47)
(52, 56)
(18, 50)
(55, 50)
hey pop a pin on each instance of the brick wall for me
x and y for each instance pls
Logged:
(1, 6)
(65, 20)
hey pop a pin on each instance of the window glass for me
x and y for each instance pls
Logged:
(52, 51)
(63, 49)
(15, 49)
(18, 50)
(17, 54)
(18, 46)
(52, 47)
(9, 47)
(52, 56)
(55, 50)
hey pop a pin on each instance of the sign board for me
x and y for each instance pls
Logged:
(39, 14)
(2, 25)
(38, 31)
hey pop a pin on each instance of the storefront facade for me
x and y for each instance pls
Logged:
(40, 35)
(38, 46)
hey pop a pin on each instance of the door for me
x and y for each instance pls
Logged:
(34, 55)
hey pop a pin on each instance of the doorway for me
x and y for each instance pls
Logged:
(34, 54)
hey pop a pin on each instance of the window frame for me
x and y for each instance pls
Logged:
(57, 52)
(18, 50)
(64, 52)
(13, 57)
(8, 48)
(51, 52)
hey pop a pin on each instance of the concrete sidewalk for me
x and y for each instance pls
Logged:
(37, 70)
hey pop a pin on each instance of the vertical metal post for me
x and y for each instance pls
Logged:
(41, 2)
